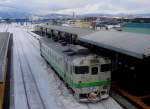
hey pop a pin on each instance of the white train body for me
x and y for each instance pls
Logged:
(88, 75)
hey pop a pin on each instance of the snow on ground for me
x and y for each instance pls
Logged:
(3, 27)
(53, 92)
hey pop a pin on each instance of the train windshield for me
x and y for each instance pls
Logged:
(105, 67)
(81, 69)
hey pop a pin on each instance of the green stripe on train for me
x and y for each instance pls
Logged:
(70, 82)
(91, 84)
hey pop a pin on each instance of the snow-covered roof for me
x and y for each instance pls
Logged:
(132, 44)
(71, 30)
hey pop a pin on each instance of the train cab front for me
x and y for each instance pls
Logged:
(92, 77)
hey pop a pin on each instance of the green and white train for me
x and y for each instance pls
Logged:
(88, 75)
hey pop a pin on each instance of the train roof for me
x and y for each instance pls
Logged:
(69, 52)
(72, 30)
(4, 40)
(132, 44)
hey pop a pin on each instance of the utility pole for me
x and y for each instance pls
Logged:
(73, 15)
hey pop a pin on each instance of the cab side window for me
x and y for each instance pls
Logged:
(94, 70)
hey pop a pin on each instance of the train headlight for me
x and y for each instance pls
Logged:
(103, 92)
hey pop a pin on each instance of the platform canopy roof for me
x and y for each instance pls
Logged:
(132, 44)
(72, 30)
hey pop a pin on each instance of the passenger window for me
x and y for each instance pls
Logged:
(94, 70)
(105, 67)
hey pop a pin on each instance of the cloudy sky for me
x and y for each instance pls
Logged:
(77, 6)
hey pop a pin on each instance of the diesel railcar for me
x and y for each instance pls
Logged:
(88, 75)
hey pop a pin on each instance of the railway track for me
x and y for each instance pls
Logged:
(33, 96)
(31, 40)
(4, 27)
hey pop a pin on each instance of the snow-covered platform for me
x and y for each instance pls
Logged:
(36, 86)
(4, 43)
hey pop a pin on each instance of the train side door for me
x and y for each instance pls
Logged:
(105, 71)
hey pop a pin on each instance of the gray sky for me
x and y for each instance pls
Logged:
(77, 6)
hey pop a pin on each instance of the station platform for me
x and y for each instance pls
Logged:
(4, 62)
